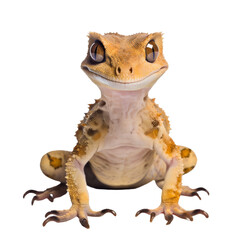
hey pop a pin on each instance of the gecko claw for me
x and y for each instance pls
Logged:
(152, 216)
(34, 199)
(202, 189)
(37, 198)
(109, 211)
(145, 210)
(50, 219)
(185, 215)
(54, 212)
(196, 194)
(30, 191)
(84, 223)
(199, 211)
(169, 218)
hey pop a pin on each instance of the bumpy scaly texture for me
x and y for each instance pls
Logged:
(123, 141)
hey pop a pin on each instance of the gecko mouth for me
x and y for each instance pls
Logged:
(130, 84)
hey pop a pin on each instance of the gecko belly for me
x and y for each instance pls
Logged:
(122, 166)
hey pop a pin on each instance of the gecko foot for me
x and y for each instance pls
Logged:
(82, 212)
(187, 191)
(50, 193)
(170, 209)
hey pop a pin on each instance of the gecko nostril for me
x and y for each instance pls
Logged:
(119, 70)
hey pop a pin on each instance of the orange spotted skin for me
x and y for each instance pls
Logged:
(153, 133)
(55, 162)
(185, 153)
(123, 142)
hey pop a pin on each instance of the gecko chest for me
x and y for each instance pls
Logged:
(122, 166)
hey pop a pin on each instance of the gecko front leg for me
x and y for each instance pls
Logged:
(172, 187)
(88, 143)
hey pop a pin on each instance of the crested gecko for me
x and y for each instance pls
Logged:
(123, 141)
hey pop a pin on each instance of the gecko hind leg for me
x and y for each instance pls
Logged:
(53, 166)
(50, 193)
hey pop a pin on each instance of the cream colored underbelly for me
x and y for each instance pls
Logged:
(122, 166)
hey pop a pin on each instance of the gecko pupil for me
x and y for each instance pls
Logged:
(97, 52)
(151, 51)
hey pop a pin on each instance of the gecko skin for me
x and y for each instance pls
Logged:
(123, 141)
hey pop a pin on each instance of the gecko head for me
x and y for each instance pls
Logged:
(124, 62)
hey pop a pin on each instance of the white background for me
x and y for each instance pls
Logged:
(44, 94)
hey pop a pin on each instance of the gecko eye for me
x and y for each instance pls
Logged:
(97, 52)
(151, 51)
